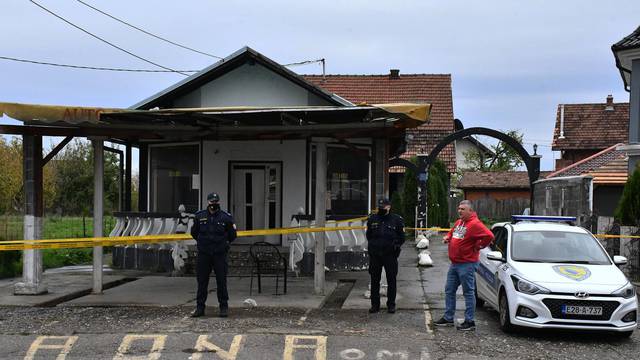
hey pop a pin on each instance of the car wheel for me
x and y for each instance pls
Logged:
(505, 316)
(479, 301)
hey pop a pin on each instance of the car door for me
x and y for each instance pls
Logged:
(489, 283)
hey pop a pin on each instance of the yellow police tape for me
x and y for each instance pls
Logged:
(150, 239)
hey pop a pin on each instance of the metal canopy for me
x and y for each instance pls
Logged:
(231, 123)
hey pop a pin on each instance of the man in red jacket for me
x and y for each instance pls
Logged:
(465, 240)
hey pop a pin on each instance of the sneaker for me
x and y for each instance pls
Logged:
(374, 309)
(467, 326)
(197, 313)
(443, 322)
(224, 311)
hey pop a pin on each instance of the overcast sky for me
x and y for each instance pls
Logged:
(512, 62)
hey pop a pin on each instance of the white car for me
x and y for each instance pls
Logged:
(542, 273)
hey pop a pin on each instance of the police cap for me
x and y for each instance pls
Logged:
(213, 197)
(383, 202)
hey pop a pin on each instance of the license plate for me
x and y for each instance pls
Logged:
(582, 310)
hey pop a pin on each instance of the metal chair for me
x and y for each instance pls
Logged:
(267, 262)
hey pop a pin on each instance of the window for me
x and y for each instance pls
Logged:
(500, 241)
(172, 169)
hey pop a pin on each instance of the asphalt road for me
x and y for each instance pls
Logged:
(124, 333)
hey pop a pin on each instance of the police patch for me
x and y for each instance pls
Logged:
(573, 272)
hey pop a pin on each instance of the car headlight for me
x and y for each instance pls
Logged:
(627, 291)
(527, 287)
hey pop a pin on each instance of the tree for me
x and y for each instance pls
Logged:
(73, 169)
(438, 195)
(628, 210)
(410, 196)
(11, 182)
(505, 158)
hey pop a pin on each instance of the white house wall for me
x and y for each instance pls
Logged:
(249, 85)
(216, 156)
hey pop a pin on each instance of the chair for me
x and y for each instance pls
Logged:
(267, 261)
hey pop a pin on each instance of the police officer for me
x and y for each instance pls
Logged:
(385, 234)
(213, 230)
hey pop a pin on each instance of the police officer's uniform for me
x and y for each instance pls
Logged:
(385, 236)
(214, 230)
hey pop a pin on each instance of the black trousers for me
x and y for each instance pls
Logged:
(376, 263)
(205, 263)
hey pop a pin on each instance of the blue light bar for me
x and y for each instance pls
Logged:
(517, 218)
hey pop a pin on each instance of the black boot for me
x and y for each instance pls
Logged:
(224, 311)
(391, 309)
(198, 312)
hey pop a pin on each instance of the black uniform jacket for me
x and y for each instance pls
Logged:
(385, 233)
(213, 232)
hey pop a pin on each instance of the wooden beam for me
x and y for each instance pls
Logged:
(37, 130)
(56, 150)
(321, 213)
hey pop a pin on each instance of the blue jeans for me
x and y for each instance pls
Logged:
(461, 274)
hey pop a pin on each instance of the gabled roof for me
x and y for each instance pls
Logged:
(495, 180)
(434, 89)
(591, 126)
(608, 167)
(630, 41)
(623, 51)
(238, 58)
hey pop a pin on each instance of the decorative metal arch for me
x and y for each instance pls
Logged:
(424, 162)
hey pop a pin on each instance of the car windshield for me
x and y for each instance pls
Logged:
(557, 247)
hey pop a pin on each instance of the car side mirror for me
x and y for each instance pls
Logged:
(496, 256)
(620, 260)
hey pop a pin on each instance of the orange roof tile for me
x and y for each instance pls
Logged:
(434, 89)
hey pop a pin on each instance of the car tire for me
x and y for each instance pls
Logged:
(479, 301)
(504, 314)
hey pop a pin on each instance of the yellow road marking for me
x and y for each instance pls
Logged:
(64, 348)
(291, 344)
(203, 345)
(154, 353)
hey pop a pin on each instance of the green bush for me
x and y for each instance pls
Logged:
(10, 263)
(410, 196)
(53, 258)
(438, 195)
(628, 210)
(396, 203)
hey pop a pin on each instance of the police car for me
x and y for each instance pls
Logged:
(542, 272)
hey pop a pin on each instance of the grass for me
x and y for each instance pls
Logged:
(11, 228)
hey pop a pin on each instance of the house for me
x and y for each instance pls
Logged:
(434, 89)
(497, 194)
(496, 185)
(270, 142)
(627, 56)
(608, 172)
(467, 145)
(582, 130)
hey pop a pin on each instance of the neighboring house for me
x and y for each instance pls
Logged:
(583, 130)
(608, 170)
(466, 146)
(627, 55)
(434, 89)
(496, 185)
(496, 194)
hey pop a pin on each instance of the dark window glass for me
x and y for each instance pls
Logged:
(248, 188)
(249, 217)
(171, 175)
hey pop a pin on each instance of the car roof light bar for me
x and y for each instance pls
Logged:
(566, 219)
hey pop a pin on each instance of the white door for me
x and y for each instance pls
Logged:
(255, 199)
(488, 281)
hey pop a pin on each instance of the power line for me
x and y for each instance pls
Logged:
(92, 67)
(147, 32)
(105, 41)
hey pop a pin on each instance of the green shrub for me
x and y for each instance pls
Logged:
(53, 258)
(410, 196)
(628, 210)
(396, 203)
(10, 263)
